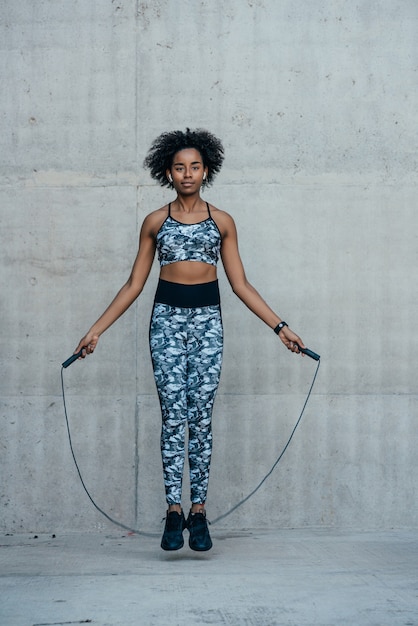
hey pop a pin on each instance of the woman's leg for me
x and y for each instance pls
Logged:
(204, 361)
(168, 353)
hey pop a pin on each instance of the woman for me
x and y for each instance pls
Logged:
(186, 336)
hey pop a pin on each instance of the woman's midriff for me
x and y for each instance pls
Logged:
(188, 272)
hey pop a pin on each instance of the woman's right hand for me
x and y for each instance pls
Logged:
(87, 344)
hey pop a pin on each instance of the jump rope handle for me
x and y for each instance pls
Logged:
(72, 358)
(310, 353)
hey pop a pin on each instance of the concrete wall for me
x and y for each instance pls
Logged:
(316, 103)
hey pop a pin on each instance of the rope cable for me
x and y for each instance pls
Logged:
(217, 519)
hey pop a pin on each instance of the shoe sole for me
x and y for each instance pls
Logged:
(196, 549)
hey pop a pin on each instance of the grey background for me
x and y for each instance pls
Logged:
(316, 103)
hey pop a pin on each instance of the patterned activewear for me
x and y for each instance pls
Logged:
(186, 349)
(186, 343)
(176, 241)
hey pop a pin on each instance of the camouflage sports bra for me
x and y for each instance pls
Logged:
(176, 241)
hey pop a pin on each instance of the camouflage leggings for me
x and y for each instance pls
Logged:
(186, 349)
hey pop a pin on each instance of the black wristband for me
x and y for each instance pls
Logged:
(279, 327)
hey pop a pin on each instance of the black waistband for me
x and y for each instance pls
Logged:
(187, 296)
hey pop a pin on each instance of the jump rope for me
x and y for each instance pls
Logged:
(74, 357)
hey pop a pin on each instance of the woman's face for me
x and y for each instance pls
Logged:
(187, 171)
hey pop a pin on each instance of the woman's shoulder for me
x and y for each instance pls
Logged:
(222, 218)
(157, 213)
(153, 220)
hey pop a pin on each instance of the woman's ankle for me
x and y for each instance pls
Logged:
(198, 508)
(174, 507)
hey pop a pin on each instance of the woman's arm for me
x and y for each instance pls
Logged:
(130, 290)
(234, 270)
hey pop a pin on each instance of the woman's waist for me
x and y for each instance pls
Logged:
(187, 295)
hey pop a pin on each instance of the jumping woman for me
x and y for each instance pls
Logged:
(186, 335)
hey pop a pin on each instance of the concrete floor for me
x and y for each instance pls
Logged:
(263, 578)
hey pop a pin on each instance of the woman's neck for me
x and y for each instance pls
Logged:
(188, 204)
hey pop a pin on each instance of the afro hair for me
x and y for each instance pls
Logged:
(160, 156)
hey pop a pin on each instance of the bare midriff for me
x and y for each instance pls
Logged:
(188, 272)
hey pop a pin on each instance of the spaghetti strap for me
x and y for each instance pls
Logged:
(169, 209)
(207, 204)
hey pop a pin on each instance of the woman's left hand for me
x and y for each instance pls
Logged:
(291, 340)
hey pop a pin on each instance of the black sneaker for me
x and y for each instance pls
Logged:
(172, 538)
(197, 526)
